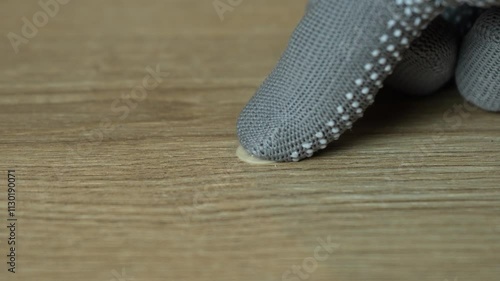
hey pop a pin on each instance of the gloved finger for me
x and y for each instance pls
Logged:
(478, 70)
(336, 62)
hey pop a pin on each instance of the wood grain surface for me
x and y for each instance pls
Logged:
(113, 187)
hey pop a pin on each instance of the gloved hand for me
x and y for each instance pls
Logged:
(343, 52)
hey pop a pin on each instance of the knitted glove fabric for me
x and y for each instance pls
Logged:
(478, 70)
(429, 63)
